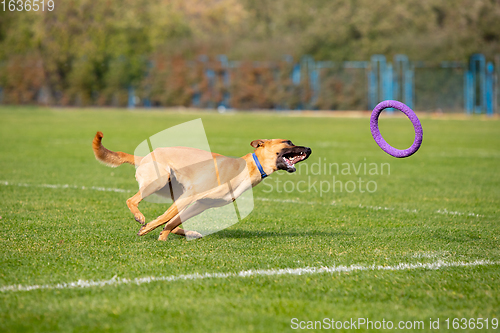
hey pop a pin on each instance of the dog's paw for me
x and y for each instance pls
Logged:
(190, 234)
(139, 217)
(142, 231)
(164, 235)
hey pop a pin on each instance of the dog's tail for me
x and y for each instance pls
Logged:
(112, 158)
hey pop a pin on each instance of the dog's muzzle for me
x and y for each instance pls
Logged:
(288, 157)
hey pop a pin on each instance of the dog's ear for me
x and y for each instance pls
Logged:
(257, 143)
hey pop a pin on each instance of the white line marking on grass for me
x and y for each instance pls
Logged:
(332, 204)
(446, 212)
(376, 207)
(296, 201)
(114, 281)
(92, 188)
(353, 206)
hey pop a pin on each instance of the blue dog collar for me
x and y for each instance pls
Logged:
(262, 173)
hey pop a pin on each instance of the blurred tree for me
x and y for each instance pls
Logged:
(93, 51)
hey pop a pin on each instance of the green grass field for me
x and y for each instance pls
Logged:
(440, 205)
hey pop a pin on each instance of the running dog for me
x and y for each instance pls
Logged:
(201, 180)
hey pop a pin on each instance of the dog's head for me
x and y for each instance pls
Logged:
(280, 154)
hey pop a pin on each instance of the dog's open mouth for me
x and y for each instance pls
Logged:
(292, 158)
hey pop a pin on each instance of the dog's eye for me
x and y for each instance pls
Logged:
(289, 143)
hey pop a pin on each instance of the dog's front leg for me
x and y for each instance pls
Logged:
(172, 211)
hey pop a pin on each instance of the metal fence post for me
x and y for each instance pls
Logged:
(477, 65)
(147, 96)
(372, 89)
(296, 74)
(489, 89)
(210, 74)
(312, 68)
(131, 97)
(380, 80)
(409, 84)
(226, 97)
(496, 83)
(296, 78)
(388, 81)
(403, 80)
(468, 92)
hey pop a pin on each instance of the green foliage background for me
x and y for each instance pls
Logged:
(84, 46)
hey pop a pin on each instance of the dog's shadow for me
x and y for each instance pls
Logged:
(242, 234)
(239, 233)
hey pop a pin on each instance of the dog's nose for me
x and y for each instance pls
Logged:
(308, 151)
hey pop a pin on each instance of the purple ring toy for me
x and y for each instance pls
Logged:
(380, 140)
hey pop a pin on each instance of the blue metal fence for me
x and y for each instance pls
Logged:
(218, 82)
(447, 86)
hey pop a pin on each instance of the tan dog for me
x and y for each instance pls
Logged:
(201, 179)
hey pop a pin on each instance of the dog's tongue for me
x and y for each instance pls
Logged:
(296, 158)
(290, 164)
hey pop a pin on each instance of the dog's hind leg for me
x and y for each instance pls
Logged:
(133, 204)
(190, 234)
(173, 225)
(151, 178)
